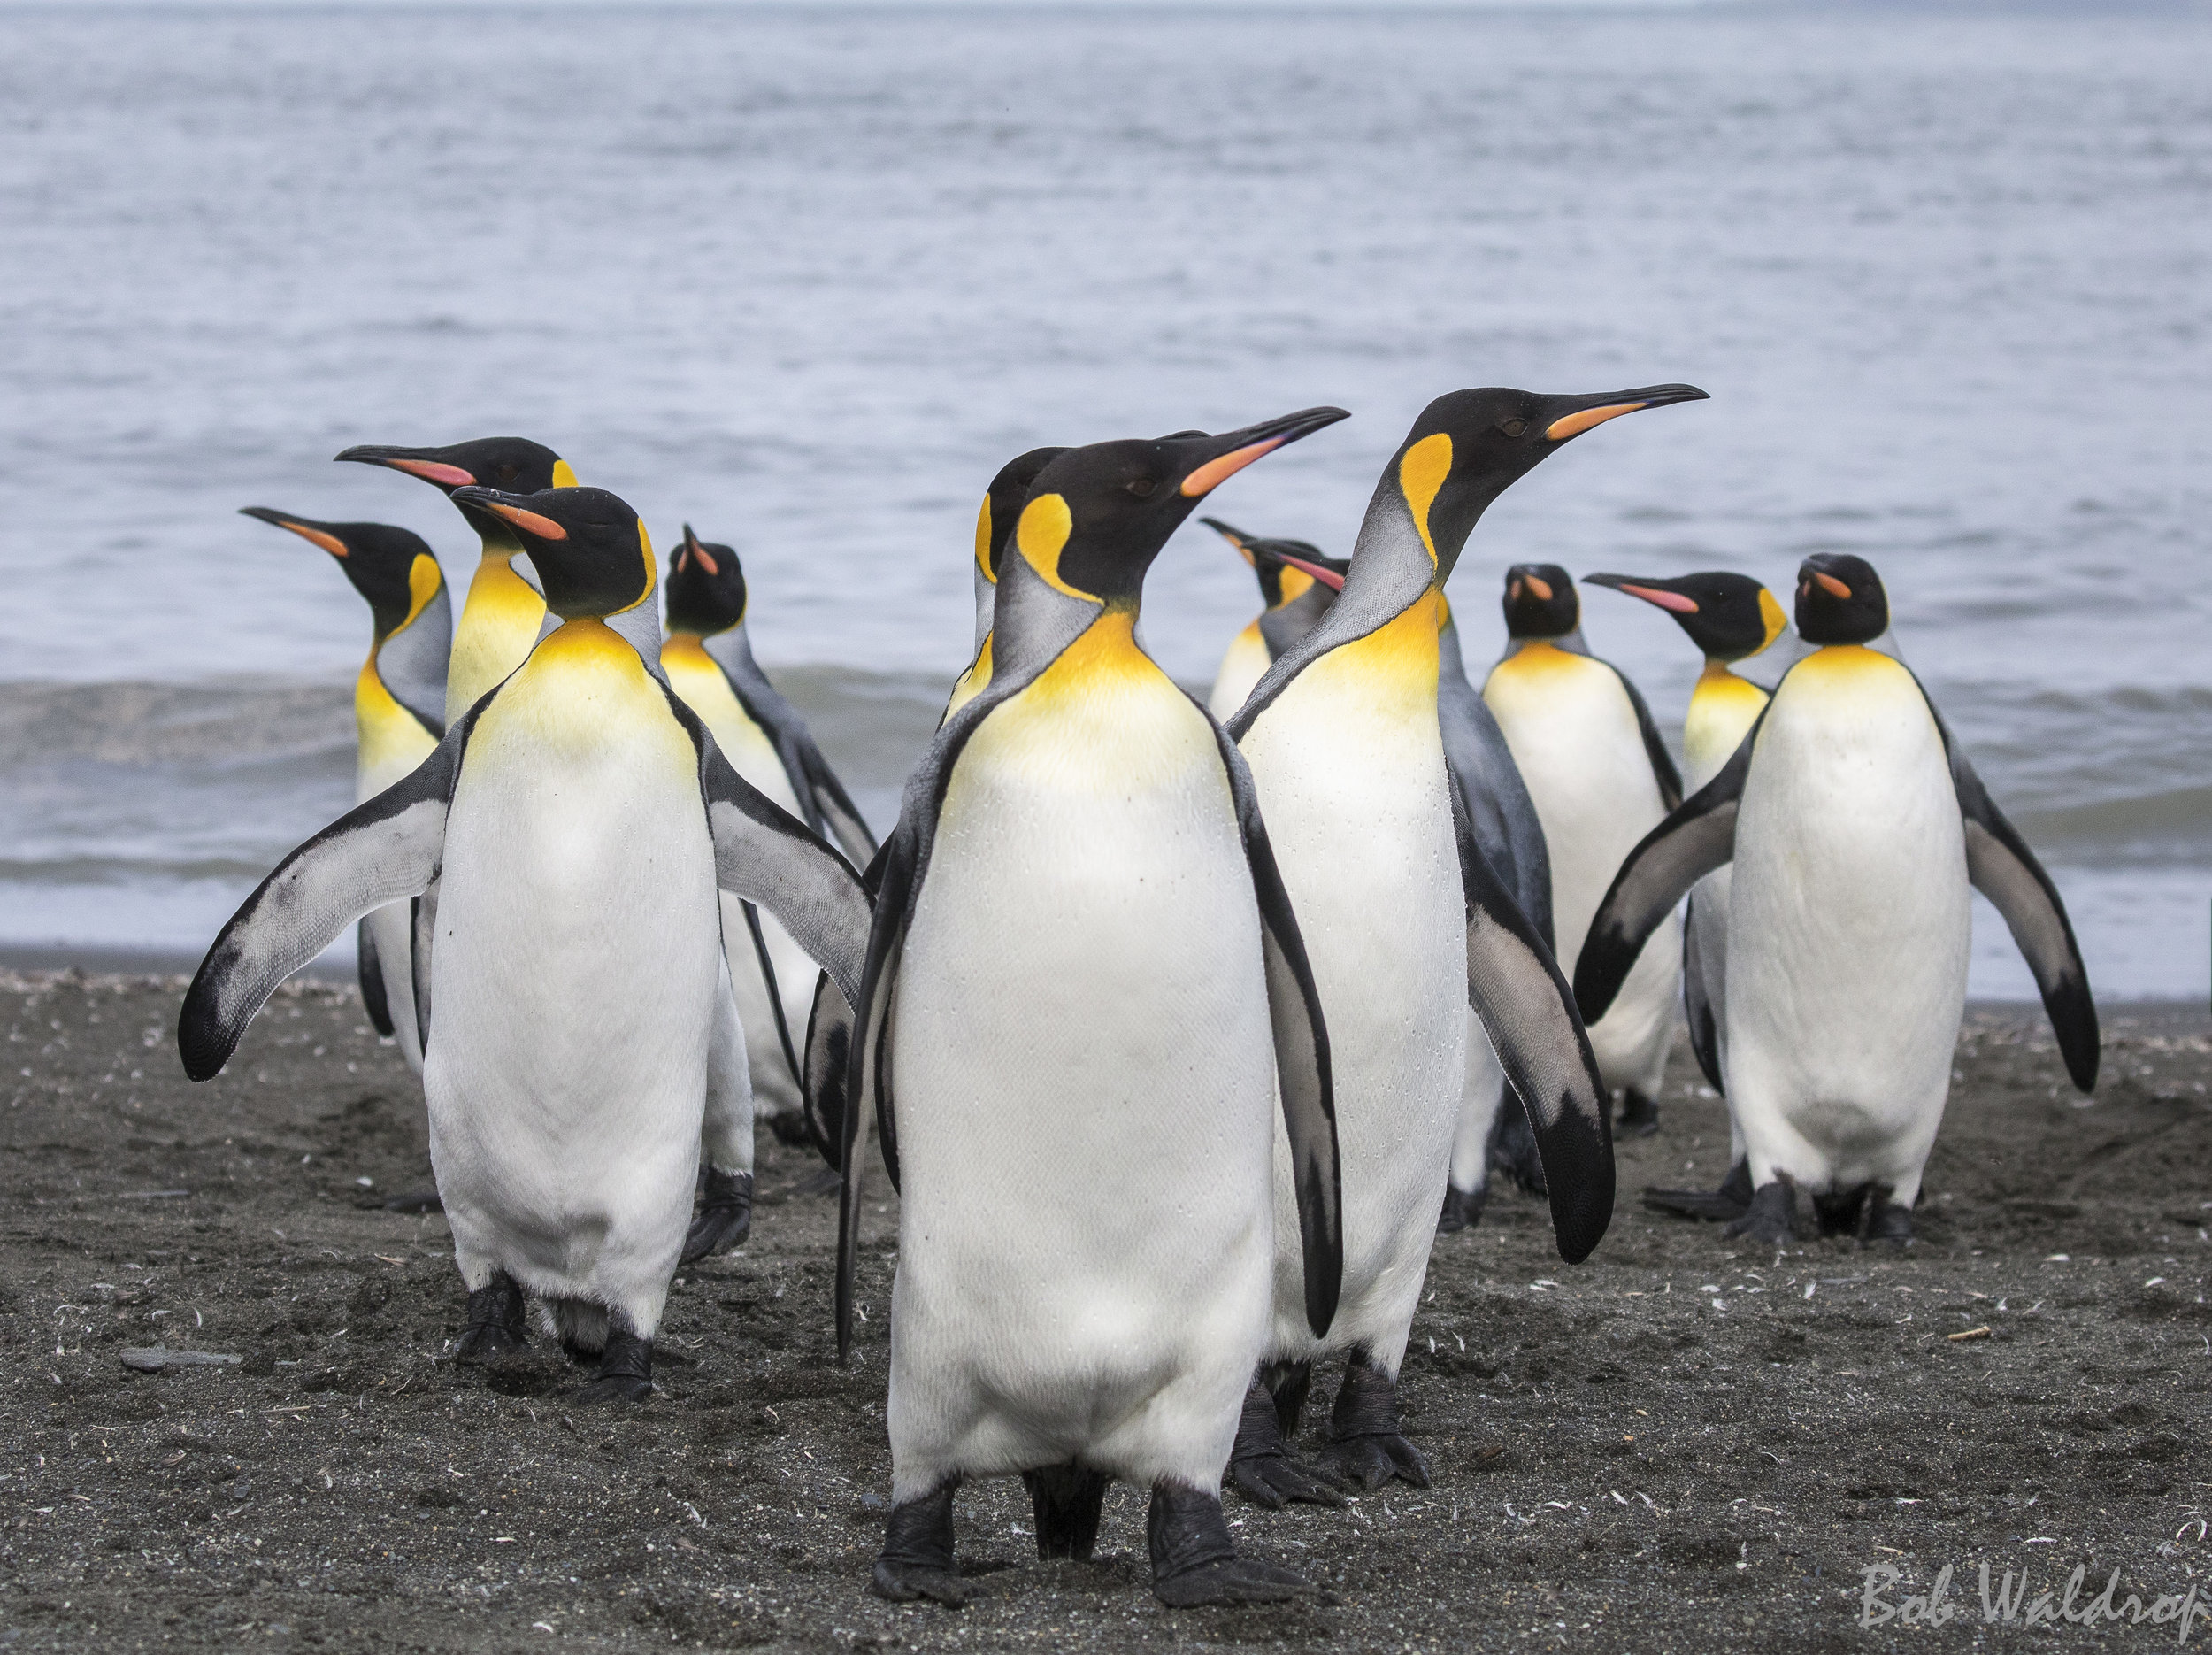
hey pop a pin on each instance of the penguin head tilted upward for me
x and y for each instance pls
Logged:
(1287, 569)
(1541, 602)
(706, 587)
(1731, 616)
(1097, 516)
(589, 546)
(1840, 600)
(390, 567)
(511, 464)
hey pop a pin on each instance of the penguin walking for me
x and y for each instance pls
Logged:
(994, 522)
(1855, 825)
(398, 717)
(1731, 618)
(579, 818)
(1601, 779)
(1296, 588)
(708, 657)
(1408, 925)
(1082, 988)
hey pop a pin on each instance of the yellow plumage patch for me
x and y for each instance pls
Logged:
(1392, 668)
(1042, 534)
(1421, 474)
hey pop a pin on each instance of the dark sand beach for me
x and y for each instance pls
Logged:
(1684, 1444)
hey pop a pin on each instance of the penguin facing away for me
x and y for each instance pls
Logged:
(1856, 825)
(1731, 618)
(1408, 925)
(503, 614)
(993, 528)
(579, 818)
(1083, 986)
(1295, 585)
(398, 715)
(708, 657)
(1601, 779)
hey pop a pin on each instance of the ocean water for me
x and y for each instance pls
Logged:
(806, 278)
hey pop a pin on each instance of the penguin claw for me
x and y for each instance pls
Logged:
(1232, 1580)
(1368, 1462)
(905, 1583)
(725, 1219)
(1277, 1479)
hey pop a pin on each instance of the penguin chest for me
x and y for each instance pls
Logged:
(694, 676)
(499, 623)
(391, 740)
(1723, 709)
(1243, 664)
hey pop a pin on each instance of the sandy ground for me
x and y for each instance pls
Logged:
(1684, 1444)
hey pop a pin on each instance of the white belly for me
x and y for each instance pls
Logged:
(1848, 932)
(1575, 738)
(1083, 1076)
(573, 980)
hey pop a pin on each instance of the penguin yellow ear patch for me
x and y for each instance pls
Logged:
(1041, 534)
(1770, 616)
(562, 477)
(983, 540)
(1421, 475)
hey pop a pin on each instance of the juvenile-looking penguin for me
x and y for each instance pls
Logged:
(1296, 594)
(1855, 825)
(502, 614)
(398, 715)
(994, 522)
(1408, 925)
(1601, 779)
(1082, 988)
(580, 818)
(1731, 618)
(708, 656)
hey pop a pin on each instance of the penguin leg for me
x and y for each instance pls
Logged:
(1463, 1209)
(493, 1325)
(1639, 1114)
(1481, 1100)
(1885, 1220)
(1261, 1465)
(1727, 1202)
(915, 1561)
(1288, 1382)
(1193, 1559)
(1513, 1145)
(1771, 1218)
(626, 1371)
(1067, 1502)
(1366, 1446)
(725, 1218)
(581, 1327)
(1843, 1212)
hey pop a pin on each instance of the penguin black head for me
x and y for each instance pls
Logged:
(706, 587)
(1097, 516)
(1468, 447)
(588, 547)
(1287, 569)
(1001, 506)
(1540, 601)
(1729, 616)
(513, 465)
(391, 567)
(1840, 600)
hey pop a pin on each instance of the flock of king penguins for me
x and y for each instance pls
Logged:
(1185, 1026)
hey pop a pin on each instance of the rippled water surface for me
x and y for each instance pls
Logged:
(807, 279)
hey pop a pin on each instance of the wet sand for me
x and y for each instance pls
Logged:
(1684, 1444)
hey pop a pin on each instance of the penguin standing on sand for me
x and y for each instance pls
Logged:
(1731, 618)
(1855, 825)
(708, 657)
(398, 715)
(1082, 989)
(1601, 779)
(579, 818)
(993, 528)
(1407, 927)
(1296, 593)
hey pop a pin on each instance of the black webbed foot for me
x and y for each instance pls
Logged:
(1194, 1561)
(493, 1325)
(626, 1371)
(1262, 1467)
(1886, 1221)
(1730, 1201)
(915, 1561)
(725, 1218)
(1639, 1115)
(1366, 1448)
(1771, 1218)
(415, 1201)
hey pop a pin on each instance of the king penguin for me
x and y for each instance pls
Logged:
(708, 656)
(1601, 779)
(1408, 926)
(1856, 826)
(1082, 989)
(579, 818)
(1296, 596)
(504, 614)
(995, 521)
(1731, 618)
(398, 715)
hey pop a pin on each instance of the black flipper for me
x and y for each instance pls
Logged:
(1698, 836)
(422, 915)
(1497, 801)
(1517, 990)
(775, 999)
(372, 980)
(2001, 866)
(829, 1037)
(869, 1050)
(835, 806)
(380, 852)
(1662, 770)
(1698, 1006)
(827, 807)
(1303, 1078)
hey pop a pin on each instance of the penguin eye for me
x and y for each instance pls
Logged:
(1142, 487)
(1514, 428)
(507, 473)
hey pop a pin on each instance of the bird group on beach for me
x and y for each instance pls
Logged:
(1182, 1026)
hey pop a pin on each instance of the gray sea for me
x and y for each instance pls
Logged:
(808, 277)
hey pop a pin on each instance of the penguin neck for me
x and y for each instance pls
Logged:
(1034, 623)
(1723, 708)
(985, 600)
